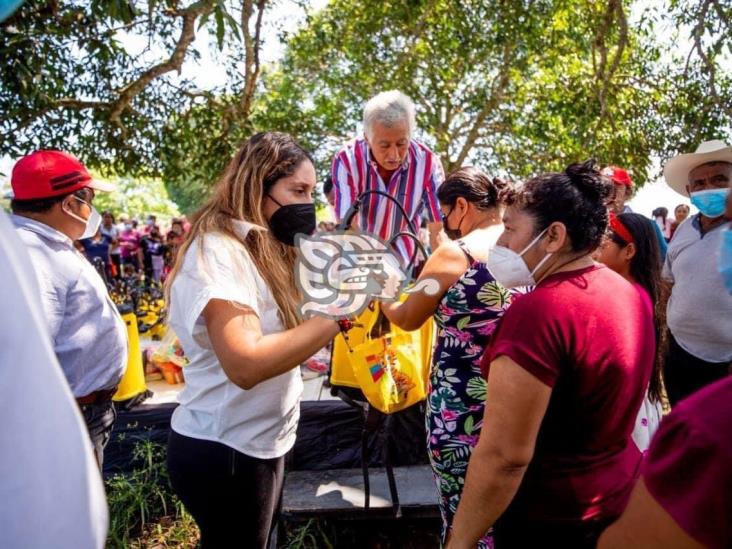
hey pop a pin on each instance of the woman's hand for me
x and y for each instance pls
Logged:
(445, 266)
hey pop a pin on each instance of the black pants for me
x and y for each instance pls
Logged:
(684, 374)
(234, 498)
(99, 420)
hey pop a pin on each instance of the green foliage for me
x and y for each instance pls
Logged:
(192, 163)
(69, 53)
(141, 497)
(137, 197)
(168, 532)
(513, 86)
(310, 535)
(516, 87)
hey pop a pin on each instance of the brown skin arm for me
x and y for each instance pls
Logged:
(247, 356)
(437, 237)
(446, 265)
(515, 406)
(646, 524)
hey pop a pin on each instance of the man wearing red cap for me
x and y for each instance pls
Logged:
(52, 207)
(623, 190)
(623, 185)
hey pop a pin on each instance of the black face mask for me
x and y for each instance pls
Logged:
(452, 234)
(292, 219)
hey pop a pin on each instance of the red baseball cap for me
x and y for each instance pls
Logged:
(618, 175)
(43, 174)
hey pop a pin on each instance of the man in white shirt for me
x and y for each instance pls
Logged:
(52, 203)
(51, 492)
(699, 313)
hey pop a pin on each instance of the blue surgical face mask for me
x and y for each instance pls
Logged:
(712, 202)
(725, 259)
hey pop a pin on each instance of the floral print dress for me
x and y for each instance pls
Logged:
(466, 317)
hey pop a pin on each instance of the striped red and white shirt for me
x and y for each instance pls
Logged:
(414, 185)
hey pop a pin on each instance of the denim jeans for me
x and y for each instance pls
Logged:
(99, 420)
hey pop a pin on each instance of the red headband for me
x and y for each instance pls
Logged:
(621, 230)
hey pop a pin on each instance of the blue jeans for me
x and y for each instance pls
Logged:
(99, 418)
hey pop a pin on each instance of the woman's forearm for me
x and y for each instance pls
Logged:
(248, 357)
(490, 485)
(277, 353)
(394, 312)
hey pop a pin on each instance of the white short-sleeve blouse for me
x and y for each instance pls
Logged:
(259, 422)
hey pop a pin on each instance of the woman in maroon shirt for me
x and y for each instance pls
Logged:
(566, 369)
(684, 499)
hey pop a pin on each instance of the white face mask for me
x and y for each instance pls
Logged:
(508, 267)
(92, 223)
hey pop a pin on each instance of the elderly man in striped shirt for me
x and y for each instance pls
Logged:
(388, 159)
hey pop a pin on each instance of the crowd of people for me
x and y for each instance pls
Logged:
(564, 322)
(126, 248)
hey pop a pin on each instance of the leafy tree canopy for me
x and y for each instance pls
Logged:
(137, 197)
(513, 86)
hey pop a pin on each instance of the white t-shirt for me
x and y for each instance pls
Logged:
(51, 491)
(646, 423)
(699, 312)
(259, 422)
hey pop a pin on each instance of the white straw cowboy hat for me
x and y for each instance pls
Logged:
(676, 171)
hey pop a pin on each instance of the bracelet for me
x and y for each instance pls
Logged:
(345, 324)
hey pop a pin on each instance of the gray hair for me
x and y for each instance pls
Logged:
(388, 108)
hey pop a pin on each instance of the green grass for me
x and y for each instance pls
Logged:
(310, 535)
(143, 511)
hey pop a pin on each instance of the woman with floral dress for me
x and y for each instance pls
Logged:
(465, 309)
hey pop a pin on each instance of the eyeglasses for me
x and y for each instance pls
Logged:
(86, 195)
(445, 216)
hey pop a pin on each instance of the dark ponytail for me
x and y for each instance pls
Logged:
(576, 198)
(645, 268)
(473, 185)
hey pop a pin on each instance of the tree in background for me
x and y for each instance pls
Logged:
(514, 86)
(69, 82)
(137, 197)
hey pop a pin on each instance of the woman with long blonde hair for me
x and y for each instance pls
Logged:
(233, 304)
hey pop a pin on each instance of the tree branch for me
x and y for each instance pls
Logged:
(722, 15)
(604, 74)
(492, 102)
(62, 103)
(174, 62)
(709, 63)
(134, 88)
(252, 45)
(413, 37)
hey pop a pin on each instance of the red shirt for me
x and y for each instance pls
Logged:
(589, 335)
(688, 470)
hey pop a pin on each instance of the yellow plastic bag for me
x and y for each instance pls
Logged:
(341, 370)
(390, 370)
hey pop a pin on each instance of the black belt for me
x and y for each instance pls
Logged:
(96, 397)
